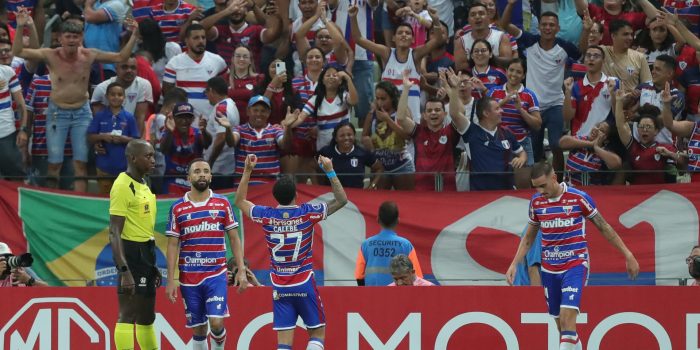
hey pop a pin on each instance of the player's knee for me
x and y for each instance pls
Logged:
(146, 318)
(319, 333)
(200, 330)
(216, 324)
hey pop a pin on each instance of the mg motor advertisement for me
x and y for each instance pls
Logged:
(455, 318)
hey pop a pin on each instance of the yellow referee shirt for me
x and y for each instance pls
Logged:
(134, 201)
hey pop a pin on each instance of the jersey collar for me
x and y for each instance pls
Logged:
(564, 189)
(197, 204)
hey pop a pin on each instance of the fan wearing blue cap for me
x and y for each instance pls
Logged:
(181, 144)
(263, 139)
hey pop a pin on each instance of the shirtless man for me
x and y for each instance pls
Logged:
(69, 107)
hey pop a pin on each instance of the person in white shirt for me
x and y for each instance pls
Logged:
(192, 69)
(138, 92)
(221, 156)
(545, 78)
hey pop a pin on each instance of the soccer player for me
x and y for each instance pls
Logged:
(196, 227)
(132, 216)
(560, 212)
(289, 230)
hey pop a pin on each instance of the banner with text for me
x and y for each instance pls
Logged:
(460, 238)
(446, 318)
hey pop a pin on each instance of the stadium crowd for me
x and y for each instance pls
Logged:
(395, 91)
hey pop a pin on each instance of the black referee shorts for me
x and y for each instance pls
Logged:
(141, 259)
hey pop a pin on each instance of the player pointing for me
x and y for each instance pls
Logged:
(289, 230)
(560, 212)
(197, 225)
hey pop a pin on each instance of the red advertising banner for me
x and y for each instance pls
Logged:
(462, 238)
(439, 318)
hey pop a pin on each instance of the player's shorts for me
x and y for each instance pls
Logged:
(564, 289)
(141, 260)
(208, 299)
(303, 300)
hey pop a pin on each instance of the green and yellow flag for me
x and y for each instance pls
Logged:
(68, 236)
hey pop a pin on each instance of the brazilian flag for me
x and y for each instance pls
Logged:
(68, 236)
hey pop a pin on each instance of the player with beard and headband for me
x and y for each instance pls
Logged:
(197, 226)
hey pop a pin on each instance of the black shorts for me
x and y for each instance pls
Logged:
(141, 259)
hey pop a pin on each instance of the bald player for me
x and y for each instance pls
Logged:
(132, 216)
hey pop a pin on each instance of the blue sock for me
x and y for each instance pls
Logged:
(284, 347)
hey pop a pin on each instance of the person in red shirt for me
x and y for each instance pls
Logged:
(242, 80)
(648, 158)
(238, 32)
(277, 88)
(616, 9)
(434, 141)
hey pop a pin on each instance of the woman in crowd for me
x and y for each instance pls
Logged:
(330, 104)
(301, 158)
(521, 114)
(649, 159)
(329, 39)
(382, 135)
(484, 70)
(588, 156)
(277, 88)
(242, 80)
(350, 159)
(659, 39)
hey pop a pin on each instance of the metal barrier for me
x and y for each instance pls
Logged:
(438, 176)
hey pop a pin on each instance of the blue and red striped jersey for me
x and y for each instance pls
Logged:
(171, 21)
(265, 145)
(289, 232)
(563, 226)
(511, 118)
(201, 228)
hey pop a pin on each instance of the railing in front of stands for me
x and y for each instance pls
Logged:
(462, 178)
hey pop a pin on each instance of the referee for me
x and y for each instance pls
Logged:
(132, 216)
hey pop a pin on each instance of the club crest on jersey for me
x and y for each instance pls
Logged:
(568, 209)
(245, 40)
(285, 215)
(354, 162)
(630, 70)
(131, 97)
(443, 139)
(505, 144)
(213, 213)
(683, 65)
(657, 157)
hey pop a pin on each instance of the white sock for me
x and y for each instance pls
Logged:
(315, 344)
(569, 340)
(199, 344)
(579, 346)
(217, 341)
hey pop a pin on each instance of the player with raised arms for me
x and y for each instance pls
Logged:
(560, 212)
(289, 231)
(197, 225)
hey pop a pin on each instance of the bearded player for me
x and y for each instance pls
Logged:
(560, 212)
(196, 231)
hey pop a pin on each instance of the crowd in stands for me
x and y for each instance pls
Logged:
(394, 91)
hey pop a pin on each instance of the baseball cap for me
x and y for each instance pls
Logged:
(5, 249)
(183, 108)
(257, 99)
